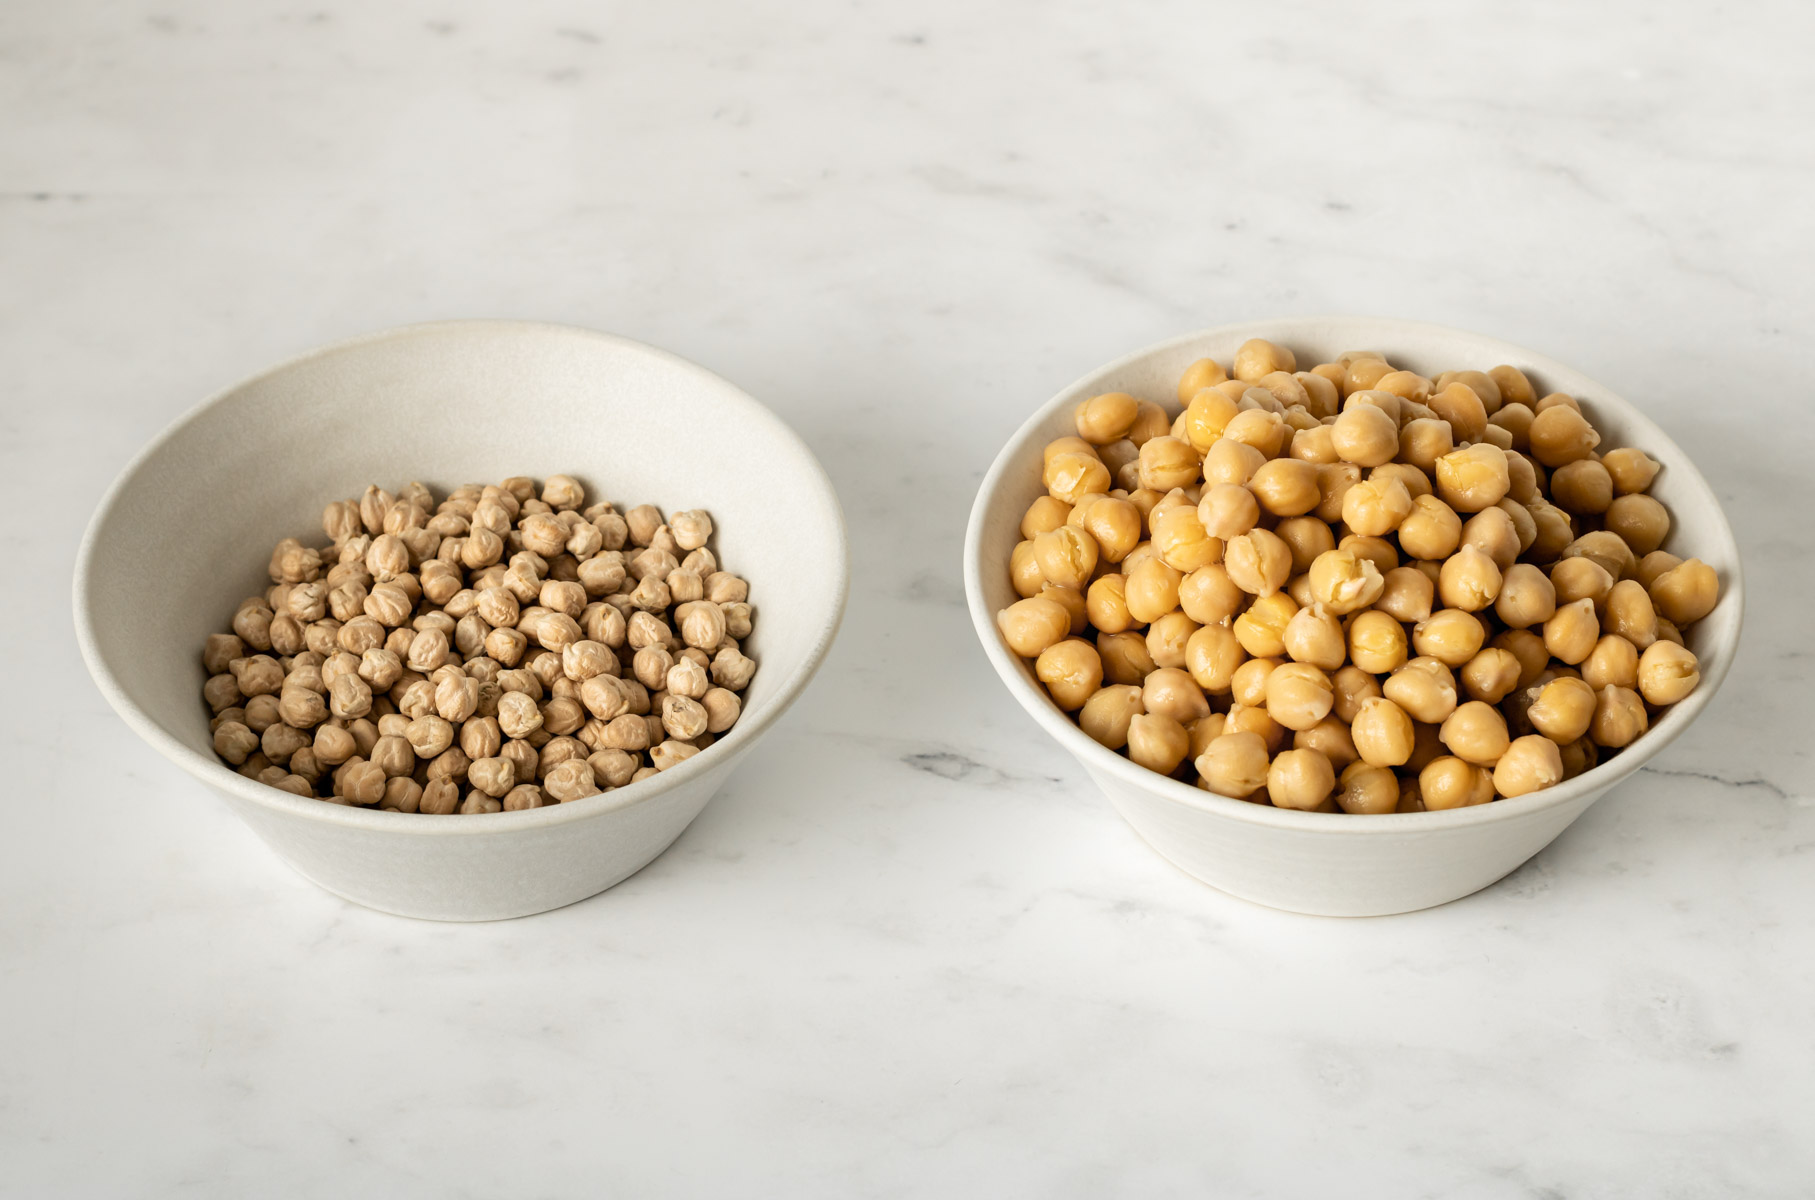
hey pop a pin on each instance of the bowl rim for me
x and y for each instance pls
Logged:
(1097, 758)
(213, 772)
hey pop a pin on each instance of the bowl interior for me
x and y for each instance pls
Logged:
(1698, 527)
(189, 526)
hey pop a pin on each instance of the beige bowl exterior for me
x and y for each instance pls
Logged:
(185, 532)
(1333, 864)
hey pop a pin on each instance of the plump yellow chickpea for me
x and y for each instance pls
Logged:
(1579, 756)
(1231, 462)
(1364, 789)
(1424, 688)
(1203, 732)
(1614, 662)
(1285, 388)
(1330, 738)
(1632, 470)
(1152, 590)
(1181, 540)
(1526, 597)
(1528, 648)
(1376, 506)
(1350, 687)
(1582, 487)
(1125, 658)
(1030, 626)
(1462, 409)
(1157, 742)
(1344, 582)
(1258, 357)
(1149, 423)
(1562, 709)
(1376, 642)
(1307, 537)
(1363, 372)
(1473, 478)
(1262, 629)
(1406, 594)
(1386, 402)
(1024, 570)
(1407, 385)
(1572, 631)
(1301, 779)
(1643, 522)
(1522, 479)
(1119, 454)
(1286, 487)
(1530, 764)
(1071, 475)
(1105, 716)
(1365, 436)
(1074, 603)
(1383, 732)
(1171, 692)
(1653, 565)
(1298, 695)
(1323, 397)
(1628, 612)
(1490, 676)
(1516, 420)
(1480, 382)
(1314, 636)
(1052, 449)
(1227, 510)
(1475, 733)
(1107, 418)
(1167, 637)
(1376, 550)
(1423, 441)
(1207, 414)
(1667, 673)
(1114, 523)
(1258, 561)
(1560, 434)
(1204, 373)
(1606, 548)
(1469, 580)
(1167, 462)
(1045, 514)
(1298, 586)
(1234, 765)
(1248, 683)
(1257, 427)
(1686, 593)
(1106, 604)
(1430, 530)
(1515, 387)
(1619, 717)
(1067, 556)
(1071, 671)
(1493, 532)
(1448, 782)
(1575, 579)
(1213, 654)
(1208, 596)
(1314, 445)
(1450, 636)
(1552, 530)
(1242, 719)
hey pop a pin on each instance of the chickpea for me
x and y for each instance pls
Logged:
(1204, 373)
(1363, 372)
(1530, 764)
(1071, 670)
(1262, 629)
(1448, 782)
(1213, 654)
(1023, 570)
(1614, 662)
(1044, 515)
(1641, 521)
(1431, 530)
(1330, 738)
(1427, 746)
(1258, 561)
(1106, 604)
(1686, 593)
(1115, 524)
(1493, 532)
(1072, 599)
(1301, 779)
(1406, 594)
(1208, 596)
(1579, 756)
(1462, 408)
(1515, 419)
(1366, 789)
(1450, 635)
(1181, 540)
(1627, 612)
(1606, 548)
(1286, 487)
(1574, 579)
(1632, 470)
(1298, 695)
(1526, 597)
(1423, 441)
(1307, 537)
(1490, 675)
(1258, 358)
(1171, 692)
(1149, 423)
(1157, 742)
(1528, 648)
(1667, 632)
(1572, 632)
(1298, 587)
(1562, 709)
(1107, 418)
(1248, 684)
(1344, 582)
(1552, 531)
(1667, 673)
(1475, 733)
(1382, 732)
(1106, 715)
(1125, 657)
(1473, 478)
(1424, 688)
(1167, 638)
(1619, 717)
(1522, 479)
(1365, 435)
(1469, 581)
(1071, 475)
(1167, 462)
(1376, 507)
(1314, 636)
(1582, 487)
(1351, 686)
(1561, 434)
(1030, 626)
(1315, 445)
(1067, 556)
(1152, 590)
(1231, 462)
(1376, 642)
(1234, 765)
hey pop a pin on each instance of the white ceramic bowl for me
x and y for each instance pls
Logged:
(1334, 864)
(187, 529)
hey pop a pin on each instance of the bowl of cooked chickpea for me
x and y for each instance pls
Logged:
(1351, 616)
(466, 620)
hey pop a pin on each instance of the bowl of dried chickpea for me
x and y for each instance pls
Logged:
(1351, 616)
(466, 620)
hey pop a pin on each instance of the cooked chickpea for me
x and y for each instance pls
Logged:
(1526, 597)
(1365, 435)
(1628, 612)
(1475, 733)
(1376, 642)
(1562, 709)
(1067, 556)
(1258, 561)
(1044, 515)
(1115, 524)
(1367, 789)
(1228, 510)
(1298, 695)
(1315, 445)
(1314, 636)
(1208, 596)
(1619, 717)
(1213, 654)
(1106, 715)
(1406, 594)
(1286, 487)
(1632, 470)
(1572, 632)
(1614, 661)
(1181, 540)
(1667, 673)
(1686, 593)
(1234, 765)
(1424, 688)
(1307, 537)
(1561, 434)
(1469, 580)
(1157, 742)
(1376, 506)
(1152, 590)
(1530, 764)
(1582, 487)
(1528, 648)
(1641, 521)
(1071, 670)
(1168, 637)
(1574, 579)
(1449, 782)
(1450, 636)
(1258, 358)
(1107, 418)
(1362, 372)
(1030, 626)
(1462, 409)
(1262, 629)
(1351, 686)
(1106, 604)
(1125, 657)
(1382, 732)
(1431, 530)
(1301, 779)
(1473, 478)
(1344, 582)
(1023, 570)
(1072, 475)
(1204, 373)
(1490, 675)
(1167, 462)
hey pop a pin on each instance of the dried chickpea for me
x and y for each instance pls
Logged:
(1071, 670)
(1667, 673)
(1619, 717)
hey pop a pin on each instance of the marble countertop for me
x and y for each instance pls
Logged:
(908, 950)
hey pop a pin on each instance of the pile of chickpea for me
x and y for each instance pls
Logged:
(1353, 588)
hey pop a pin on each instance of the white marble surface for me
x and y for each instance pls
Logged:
(907, 951)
